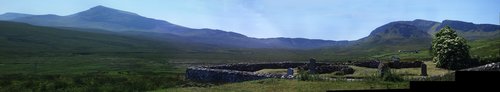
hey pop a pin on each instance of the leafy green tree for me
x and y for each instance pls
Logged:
(450, 51)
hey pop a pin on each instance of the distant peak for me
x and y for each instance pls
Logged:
(423, 20)
(101, 7)
(455, 21)
(9, 13)
(13, 13)
(103, 10)
(448, 20)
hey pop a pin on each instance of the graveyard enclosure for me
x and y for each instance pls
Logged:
(245, 72)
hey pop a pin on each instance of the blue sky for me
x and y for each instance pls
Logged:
(315, 19)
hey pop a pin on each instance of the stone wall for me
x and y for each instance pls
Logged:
(258, 66)
(415, 64)
(487, 67)
(245, 72)
(327, 68)
(374, 64)
(369, 64)
(204, 74)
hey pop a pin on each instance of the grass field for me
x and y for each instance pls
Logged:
(283, 85)
(71, 69)
(147, 68)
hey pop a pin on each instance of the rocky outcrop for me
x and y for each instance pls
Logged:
(245, 72)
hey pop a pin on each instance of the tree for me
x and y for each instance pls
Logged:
(450, 51)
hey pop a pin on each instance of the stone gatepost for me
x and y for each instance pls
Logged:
(423, 70)
(383, 69)
(289, 72)
(312, 66)
(395, 62)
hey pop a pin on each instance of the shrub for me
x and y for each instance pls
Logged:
(450, 51)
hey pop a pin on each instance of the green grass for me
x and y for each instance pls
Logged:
(62, 73)
(98, 73)
(283, 85)
(82, 64)
(485, 47)
(405, 72)
(277, 71)
(432, 70)
(274, 71)
(87, 82)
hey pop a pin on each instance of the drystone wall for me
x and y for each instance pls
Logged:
(375, 64)
(245, 72)
(487, 67)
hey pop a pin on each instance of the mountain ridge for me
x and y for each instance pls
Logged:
(101, 17)
(397, 32)
(11, 15)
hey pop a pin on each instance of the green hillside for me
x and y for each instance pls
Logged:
(20, 38)
(485, 47)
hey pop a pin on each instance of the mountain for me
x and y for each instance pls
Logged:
(9, 16)
(416, 35)
(423, 30)
(394, 36)
(21, 40)
(417, 32)
(105, 18)
(21, 37)
(101, 17)
(397, 33)
(305, 43)
(424, 25)
(472, 31)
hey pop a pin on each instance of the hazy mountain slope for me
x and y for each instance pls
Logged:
(101, 17)
(416, 33)
(472, 31)
(105, 18)
(9, 16)
(20, 37)
(396, 33)
(409, 31)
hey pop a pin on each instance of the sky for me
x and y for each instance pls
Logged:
(313, 19)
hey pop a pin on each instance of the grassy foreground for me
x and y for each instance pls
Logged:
(283, 85)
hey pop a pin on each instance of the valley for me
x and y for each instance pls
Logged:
(94, 50)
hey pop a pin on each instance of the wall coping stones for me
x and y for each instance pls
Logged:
(487, 67)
